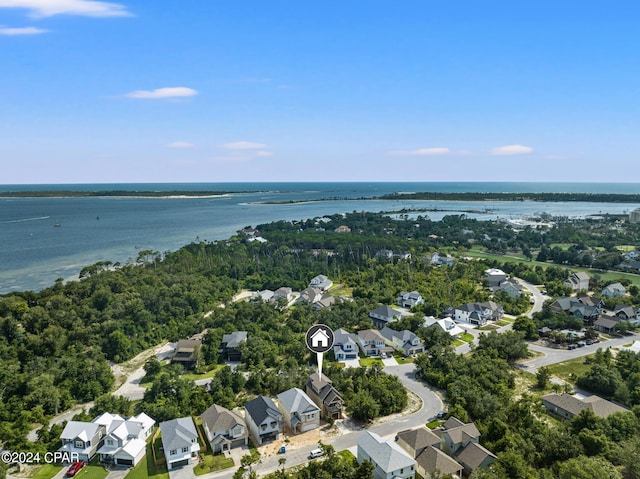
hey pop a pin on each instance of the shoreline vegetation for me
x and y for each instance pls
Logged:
(433, 196)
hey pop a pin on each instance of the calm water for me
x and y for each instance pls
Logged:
(34, 252)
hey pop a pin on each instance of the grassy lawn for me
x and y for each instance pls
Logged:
(46, 471)
(341, 291)
(458, 342)
(206, 375)
(570, 370)
(489, 327)
(467, 337)
(211, 463)
(146, 468)
(503, 322)
(435, 423)
(366, 362)
(402, 359)
(92, 472)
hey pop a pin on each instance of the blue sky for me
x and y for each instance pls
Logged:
(416, 90)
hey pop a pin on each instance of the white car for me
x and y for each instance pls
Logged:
(316, 453)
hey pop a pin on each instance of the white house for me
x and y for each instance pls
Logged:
(578, 281)
(495, 277)
(264, 419)
(478, 313)
(179, 441)
(82, 439)
(409, 299)
(345, 346)
(447, 325)
(372, 342)
(125, 442)
(614, 290)
(321, 282)
(389, 460)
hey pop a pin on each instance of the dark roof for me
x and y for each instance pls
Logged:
(606, 323)
(261, 408)
(473, 455)
(432, 459)
(234, 339)
(419, 439)
(218, 418)
(386, 311)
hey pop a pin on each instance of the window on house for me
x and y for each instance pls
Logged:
(79, 444)
(185, 449)
(173, 452)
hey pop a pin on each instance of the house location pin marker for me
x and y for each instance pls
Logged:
(319, 339)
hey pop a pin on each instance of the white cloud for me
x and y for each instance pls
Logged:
(243, 145)
(169, 92)
(15, 31)
(263, 153)
(511, 150)
(180, 145)
(87, 8)
(421, 152)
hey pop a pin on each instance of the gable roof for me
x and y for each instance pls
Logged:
(388, 455)
(84, 431)
(295, 400)
(218, 418)
(262, 408)
(370, 335)
(473, 455)
(178, 433)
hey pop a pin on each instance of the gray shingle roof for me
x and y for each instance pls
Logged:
(218, 418)
(388, 455)
(261, 408)
(600, 407)
(433, 459)
(296, 400)
(178, 433)
(234, 339)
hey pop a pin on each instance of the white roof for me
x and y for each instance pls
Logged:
(133, 447)
(81, 430)
(143, 419)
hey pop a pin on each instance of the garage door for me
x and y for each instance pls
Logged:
(125, 462)
(176, 464)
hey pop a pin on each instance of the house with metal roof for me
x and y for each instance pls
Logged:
(301, 414)
(389, 460)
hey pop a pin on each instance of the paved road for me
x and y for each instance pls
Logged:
(431, 404)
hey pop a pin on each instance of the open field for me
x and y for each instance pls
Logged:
(569, 370)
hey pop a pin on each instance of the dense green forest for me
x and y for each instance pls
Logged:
(56, 345)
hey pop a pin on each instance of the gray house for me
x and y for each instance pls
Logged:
(82, 439)
(383, 315)
(568, 406)
(345, 346)
(180, 442)
(224, 429)
(321, 391)
(614, 290)
(264, 419)
(578, 281)
(300, 412)
(230, 345)
(404, 341)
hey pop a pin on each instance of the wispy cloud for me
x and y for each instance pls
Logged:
(17, 31)
(86, 8)
(243, 145)
(511, 150)
(263, 154)
(169, 92)
(421, 152)
(180, 145)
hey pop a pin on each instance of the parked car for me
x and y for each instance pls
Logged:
(75, 468)
(581, 344)
(572, 346)
(589, 342)
(316, 453)
(441, 415)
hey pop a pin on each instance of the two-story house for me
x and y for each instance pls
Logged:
(230, 346)
(186, 352)
(345, 346)
(578, 281)
(321, 282)
(372, 343)
(409, 299)
(264, 419)
(404, 341)
(383, 315)
(82, 439)
(389, 460)
(478, 313)
(321, 391)
(224, 429)
(614, 290)
(301, 414)
(179, 442)
(125, 440)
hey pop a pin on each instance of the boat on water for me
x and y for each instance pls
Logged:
(56, 225)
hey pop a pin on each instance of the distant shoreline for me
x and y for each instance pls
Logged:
(432, 196)
(116, 194)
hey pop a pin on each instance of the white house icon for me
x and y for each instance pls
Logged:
(319, 339)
